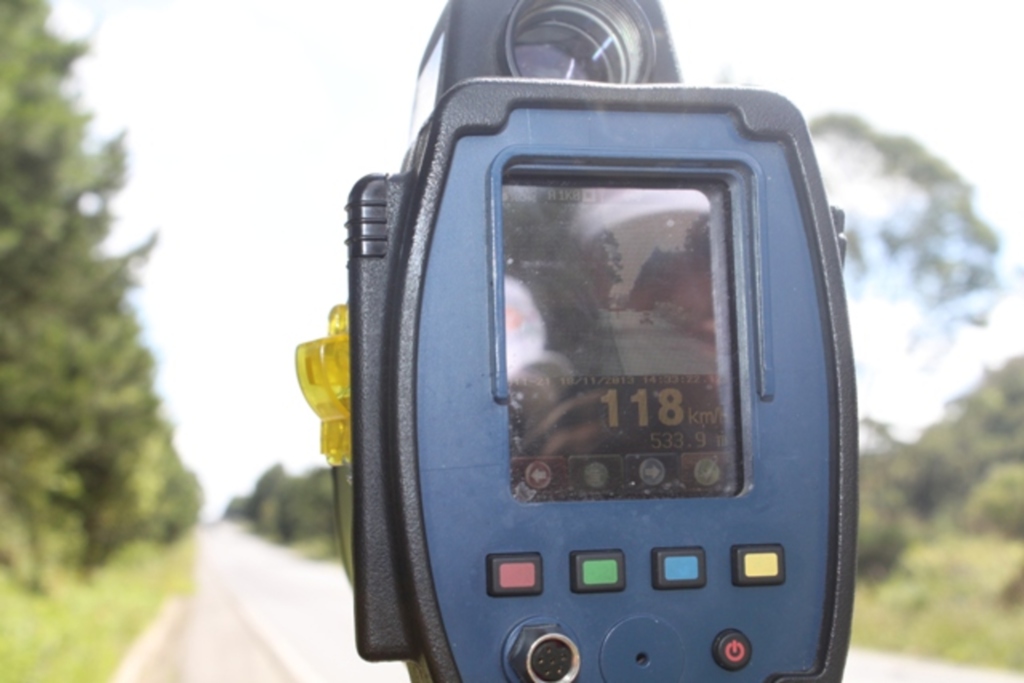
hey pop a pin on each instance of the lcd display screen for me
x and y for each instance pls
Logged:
(619, 349)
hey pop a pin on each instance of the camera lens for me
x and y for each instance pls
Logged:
(608, 41)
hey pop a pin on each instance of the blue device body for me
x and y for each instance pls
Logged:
(435, 507)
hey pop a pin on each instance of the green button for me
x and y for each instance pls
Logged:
(600, 572)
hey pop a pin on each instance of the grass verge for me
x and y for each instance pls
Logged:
(957, 598)
(80, 630)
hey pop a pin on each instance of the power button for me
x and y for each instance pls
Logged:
(731, 650)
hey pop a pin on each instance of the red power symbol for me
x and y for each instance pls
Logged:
(735, 651)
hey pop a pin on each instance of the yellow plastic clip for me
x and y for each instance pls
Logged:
(326, 381)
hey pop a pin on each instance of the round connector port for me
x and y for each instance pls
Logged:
(553, 658)
(544, 654)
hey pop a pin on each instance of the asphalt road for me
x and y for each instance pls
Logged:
(262, 614)
(298, 611)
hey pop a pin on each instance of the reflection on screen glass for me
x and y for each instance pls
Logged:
(619, 351)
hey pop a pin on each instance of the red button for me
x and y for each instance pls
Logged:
(731, 650)
(517, 575)
(511, 575)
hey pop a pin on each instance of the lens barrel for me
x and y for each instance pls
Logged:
(606, 41)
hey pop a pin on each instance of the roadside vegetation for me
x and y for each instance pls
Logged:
(297, 510)
(94, 501)
(941, 557)
(941, 546)
(953, 597)
(80, 630)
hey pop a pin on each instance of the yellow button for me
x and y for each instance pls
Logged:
(761, 565)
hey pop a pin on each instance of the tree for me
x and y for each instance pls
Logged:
(997, 502)
(289, 508)
(966, 472)
(80, 422)
(973, 454)
(913, 231)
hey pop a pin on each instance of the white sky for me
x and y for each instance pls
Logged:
(248, 122)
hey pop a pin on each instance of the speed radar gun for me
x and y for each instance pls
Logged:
(591, 404)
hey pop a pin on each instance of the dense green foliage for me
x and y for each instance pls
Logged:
(952, 596)
(87, 463)
(941, 554)
(81, 630)
(291, 509)
(963, 472)
(997, 502)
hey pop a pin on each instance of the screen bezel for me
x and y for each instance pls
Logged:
(731, 182)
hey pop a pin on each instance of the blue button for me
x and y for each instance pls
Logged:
(682, 568)
(674, 568)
